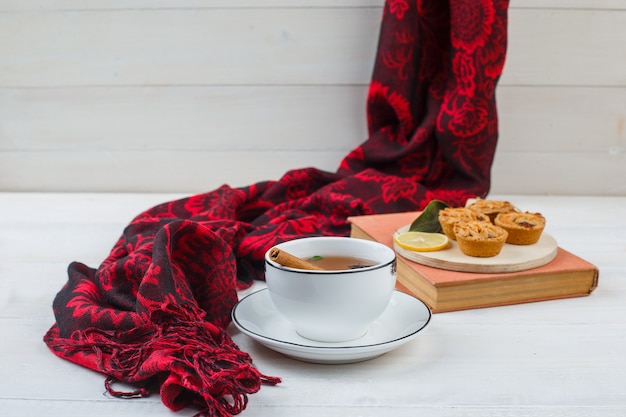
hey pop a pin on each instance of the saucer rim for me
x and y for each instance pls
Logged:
(331, 346)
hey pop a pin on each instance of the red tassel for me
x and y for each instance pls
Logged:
(193, 361)
(139, 393)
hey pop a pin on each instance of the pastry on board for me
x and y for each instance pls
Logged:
(480, 239)
(522, 228)
(449, 216)
(492, 207)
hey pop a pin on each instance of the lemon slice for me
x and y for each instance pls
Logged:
(422, 241)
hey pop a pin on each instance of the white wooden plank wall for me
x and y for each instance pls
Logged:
(185, 95)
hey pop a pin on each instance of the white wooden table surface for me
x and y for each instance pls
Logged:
(555, 358)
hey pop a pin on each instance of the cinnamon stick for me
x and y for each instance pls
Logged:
(286, 259)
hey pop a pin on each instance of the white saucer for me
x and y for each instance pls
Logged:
(256, 316)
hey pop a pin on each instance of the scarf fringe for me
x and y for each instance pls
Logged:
(193, 361)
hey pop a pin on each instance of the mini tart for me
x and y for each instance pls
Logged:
(480, 239)
(523, 228)
(491, 207)
(449, 216)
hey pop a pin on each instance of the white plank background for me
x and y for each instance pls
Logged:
(183, 96)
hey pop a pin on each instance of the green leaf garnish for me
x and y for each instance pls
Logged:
(428, 220)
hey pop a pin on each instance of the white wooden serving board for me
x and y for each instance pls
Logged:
(512, 258)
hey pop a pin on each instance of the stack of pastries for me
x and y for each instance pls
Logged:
(483, 227)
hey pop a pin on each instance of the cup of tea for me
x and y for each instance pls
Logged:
(337, 302)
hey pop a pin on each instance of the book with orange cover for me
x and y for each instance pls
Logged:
(567, 275)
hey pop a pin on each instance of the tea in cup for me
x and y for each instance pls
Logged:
(347, 286)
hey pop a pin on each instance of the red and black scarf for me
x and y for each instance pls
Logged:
(154, 313)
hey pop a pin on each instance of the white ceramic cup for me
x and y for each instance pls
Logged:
(332, 306)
